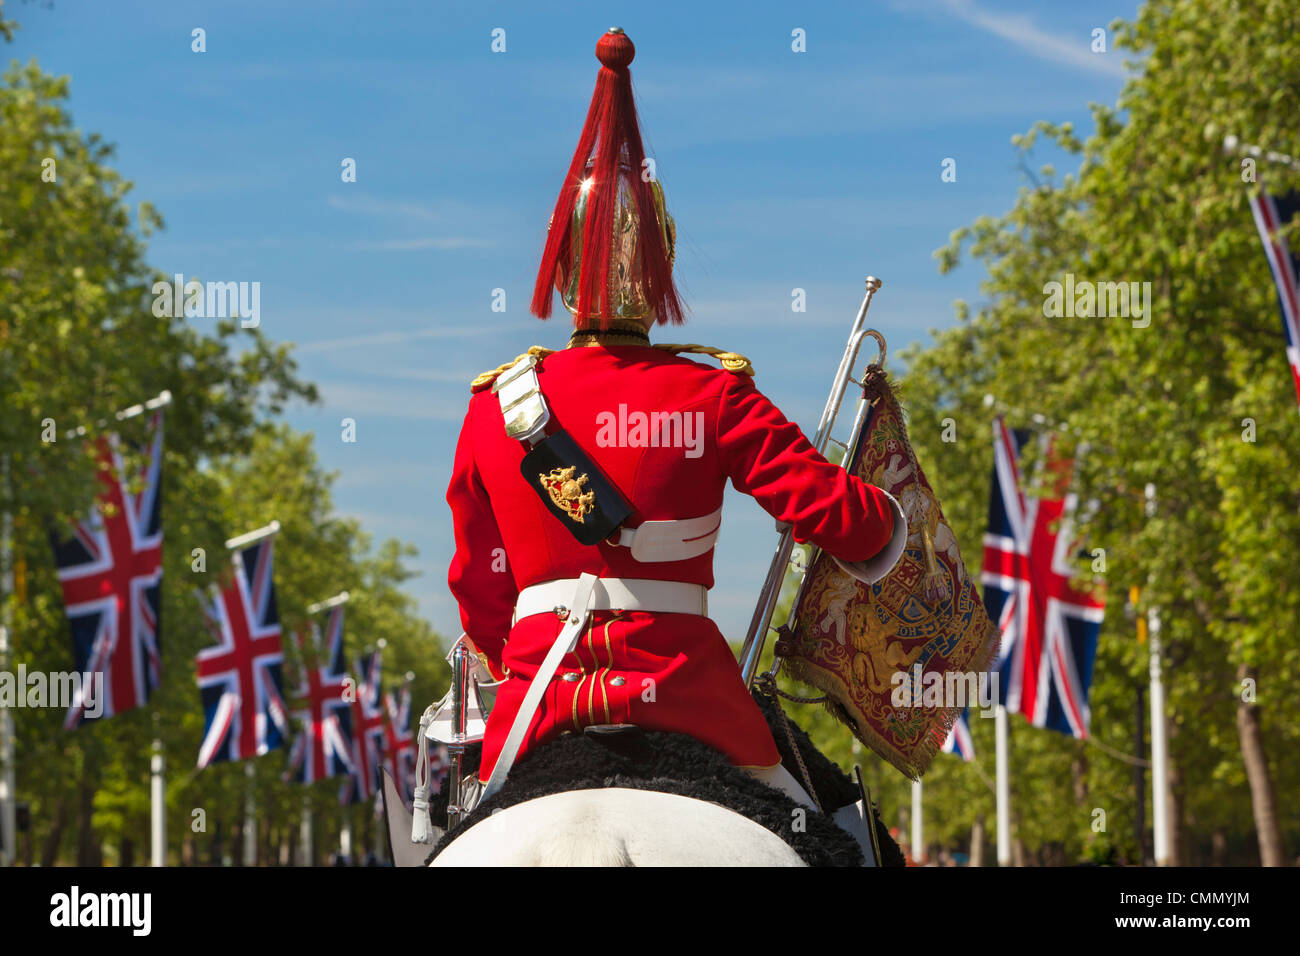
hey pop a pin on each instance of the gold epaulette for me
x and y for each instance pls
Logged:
(487, 378)
(731, 361)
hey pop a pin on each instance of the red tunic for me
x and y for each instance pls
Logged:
(678, 674)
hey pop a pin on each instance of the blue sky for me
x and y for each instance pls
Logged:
(783, 170)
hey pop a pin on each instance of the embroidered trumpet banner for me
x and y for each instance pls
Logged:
(925, 617)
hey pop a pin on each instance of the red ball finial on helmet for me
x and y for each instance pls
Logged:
(615, 50)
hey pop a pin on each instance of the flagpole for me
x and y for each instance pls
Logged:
(157, 806)
(379, 827)
(305, 827)
(250, 811)
(345, 836)
(1159, 745)
(304, 832)
(1231, 143)
(1001, 765)
(1002, 790)
(244, 540)
(1159, 749)
(918, 828)
(157, 792)
(8, 795)
(161, 400)
(341, 598)
(250, 819)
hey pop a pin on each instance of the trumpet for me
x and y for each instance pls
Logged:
(756, 637)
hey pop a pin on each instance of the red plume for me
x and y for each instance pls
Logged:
(611, 129)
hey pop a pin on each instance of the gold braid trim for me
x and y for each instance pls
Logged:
(487, 377)
(731, 361)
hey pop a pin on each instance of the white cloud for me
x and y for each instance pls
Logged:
(388, 402)
(1020, 31)
(383, 477)
(389, 208)
(400, 337)
(414, 245)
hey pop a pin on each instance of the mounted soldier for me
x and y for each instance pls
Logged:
(587, 492)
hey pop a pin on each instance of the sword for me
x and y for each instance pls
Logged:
(460, 676)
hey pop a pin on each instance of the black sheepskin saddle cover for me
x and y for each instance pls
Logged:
(679, 764)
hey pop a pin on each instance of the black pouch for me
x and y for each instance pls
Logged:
(574, 489)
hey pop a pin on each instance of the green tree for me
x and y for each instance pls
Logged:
(1155, 199)
(79, 340)
(1196, 401)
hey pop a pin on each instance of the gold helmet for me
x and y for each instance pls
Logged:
(627, 289)
(610, 244)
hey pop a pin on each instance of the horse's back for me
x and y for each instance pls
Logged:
(617, 826)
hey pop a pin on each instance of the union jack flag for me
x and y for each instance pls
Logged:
(239, 677)
(110, 571)
(322, 749)
(1271, 214)
(399, 742)
(1049, 628)
(367, 743)
(959, 740)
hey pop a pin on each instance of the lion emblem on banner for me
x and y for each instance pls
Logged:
(861, 643)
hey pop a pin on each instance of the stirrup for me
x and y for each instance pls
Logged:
(858, 819)
(471, 793)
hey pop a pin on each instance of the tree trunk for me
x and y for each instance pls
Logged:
(1140, 784)
(1177, 832)
(1079, 775)
(1263, 799)
(126, 852)
(54, 839)
(1019, 856)
(977, 841)
(1219, 848)
(87, 850)
(363, 855)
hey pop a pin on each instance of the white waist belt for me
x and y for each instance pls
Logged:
(620, 594)
(678, 539)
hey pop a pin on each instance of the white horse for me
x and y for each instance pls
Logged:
(617, 826)
(613, 826)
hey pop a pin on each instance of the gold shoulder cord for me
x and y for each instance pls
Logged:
(731, 361)
(487, 377)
